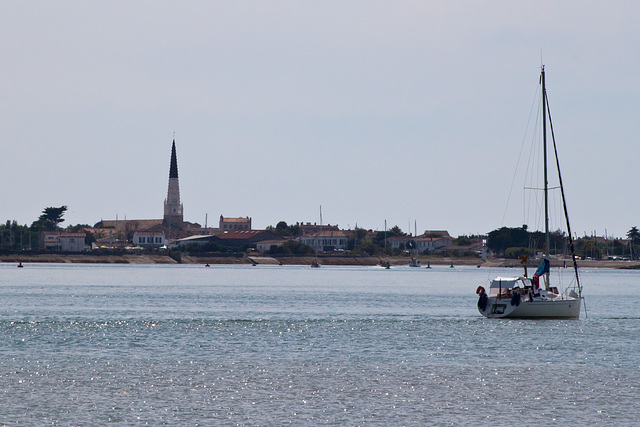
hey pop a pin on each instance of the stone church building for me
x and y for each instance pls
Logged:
(172, 225)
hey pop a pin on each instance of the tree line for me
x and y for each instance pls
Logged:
(513, 242)
(15, 237)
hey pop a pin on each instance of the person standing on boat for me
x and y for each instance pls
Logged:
(544, 268)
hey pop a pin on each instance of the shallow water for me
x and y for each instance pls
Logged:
(272, 345)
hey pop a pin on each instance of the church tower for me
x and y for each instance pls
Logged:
(172, 207)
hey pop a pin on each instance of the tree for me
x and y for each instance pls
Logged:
(634, 237)
(50, 218)
(368, 247)
(358, 236)
(392, 232)
(463, 241)
(291, 247)
(504, 238)
(281, 227)
(284, 230)
(395, 231)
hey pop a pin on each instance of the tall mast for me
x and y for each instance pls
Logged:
(321, 237)
(415, 232)
(546, 181)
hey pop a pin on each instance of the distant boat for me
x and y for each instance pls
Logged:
(522, 297)
(315, 263)
(415, 262)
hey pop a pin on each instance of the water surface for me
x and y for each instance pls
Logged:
(273, 345)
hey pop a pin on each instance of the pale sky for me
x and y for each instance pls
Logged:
(397, 110)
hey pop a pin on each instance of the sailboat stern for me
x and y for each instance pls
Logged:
(517, 297)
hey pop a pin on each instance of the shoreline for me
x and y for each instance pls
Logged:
(82, 258)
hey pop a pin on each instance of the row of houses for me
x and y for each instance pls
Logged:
(323, 239)
(429, 241)
(65, 241)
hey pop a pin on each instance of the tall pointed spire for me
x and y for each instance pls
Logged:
(172, 207)
(173, 169)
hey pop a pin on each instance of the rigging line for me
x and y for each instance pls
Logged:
(564, 200)
(540, 189)
(531, 170)
(504, 215)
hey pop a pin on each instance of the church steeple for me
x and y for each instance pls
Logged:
(173, 169)
(172, 207)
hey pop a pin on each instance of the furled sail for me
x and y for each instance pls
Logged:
(543, 269)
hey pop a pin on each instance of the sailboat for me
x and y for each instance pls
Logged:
(315, 263)
(523, 297)
(415, 262)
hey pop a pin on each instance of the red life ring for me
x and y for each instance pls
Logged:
(480, 290)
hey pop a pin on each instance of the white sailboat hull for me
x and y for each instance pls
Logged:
(537, 309)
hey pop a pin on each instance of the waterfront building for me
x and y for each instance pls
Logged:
(62, 241)
(430, 241)
(325, 240)
(231, 238)
(265, 245)
(227, 223)
(149, 239)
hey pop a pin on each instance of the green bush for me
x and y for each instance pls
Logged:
(514, 253)
(291, 247)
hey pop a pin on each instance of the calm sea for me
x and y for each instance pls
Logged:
(279, 345)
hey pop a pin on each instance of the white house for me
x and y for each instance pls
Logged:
(325, 240)
(423, 243)
(63, 241)
(148, 239)
(432, 243)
